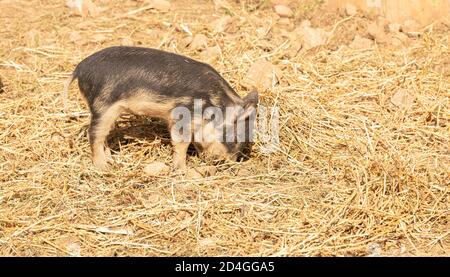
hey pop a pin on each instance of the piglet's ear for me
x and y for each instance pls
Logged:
(250, 104)
(251, 99)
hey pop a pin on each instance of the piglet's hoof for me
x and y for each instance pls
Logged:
(101, 165)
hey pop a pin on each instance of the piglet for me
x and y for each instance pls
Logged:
(158, 84)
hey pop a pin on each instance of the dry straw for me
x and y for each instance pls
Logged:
(354, 174)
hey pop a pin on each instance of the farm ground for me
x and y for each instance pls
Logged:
(356, 173)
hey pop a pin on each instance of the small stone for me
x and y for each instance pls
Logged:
(156, 169)
(284, 21)
(294, 48)
(311, 37)
(402, 99)
(261, 32)
(90, 8)
(201, 172)
(383, 22)
(211, 53)
(398, 39)
(186, 41)
(221, 24)
(411, 28)
(261, 74)
(71, 244)
(376, 32)
(283, 11)
(244, 172)
(394, 27)
(83, 7)
(361, 43)
(305, 23)
(199, 42)
(373, 249)
(193, 174)
(350, 10)
(57, 137)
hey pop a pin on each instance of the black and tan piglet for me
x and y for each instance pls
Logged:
(150, 82)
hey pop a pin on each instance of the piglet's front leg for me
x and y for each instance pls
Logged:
(179, 154)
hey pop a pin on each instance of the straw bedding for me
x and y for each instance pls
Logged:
(354, 174)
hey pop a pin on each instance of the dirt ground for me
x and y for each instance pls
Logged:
(362, 167)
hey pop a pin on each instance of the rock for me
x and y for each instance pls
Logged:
(90, 8)
(156, 169)
(311, 37)
(305, 23)
(373, 29)
(221, 24)
(398, 39)
(211, 53)
(186, 41)
(383, 22)
(184, 28)
(199, 42)
(402, 99)
(74, 249)
(377, 32)
(402, 37)
(160, 5)
(262, 32)
(201, 172)
(294, 48)
(373, 249)
(193, 174)
(75, 5)
(411, 28)
(394, 27)
(262, 74)
(282, 32)
(395, 41)
(283, 11)
(361, 43)
(244, 172)
(69, 243)
(83, 7)
(350, 10)
(57, 137)
(284, 21)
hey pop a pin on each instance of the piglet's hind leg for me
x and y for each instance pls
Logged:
(98, 131)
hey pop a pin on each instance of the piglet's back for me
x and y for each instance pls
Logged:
(130, 68)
